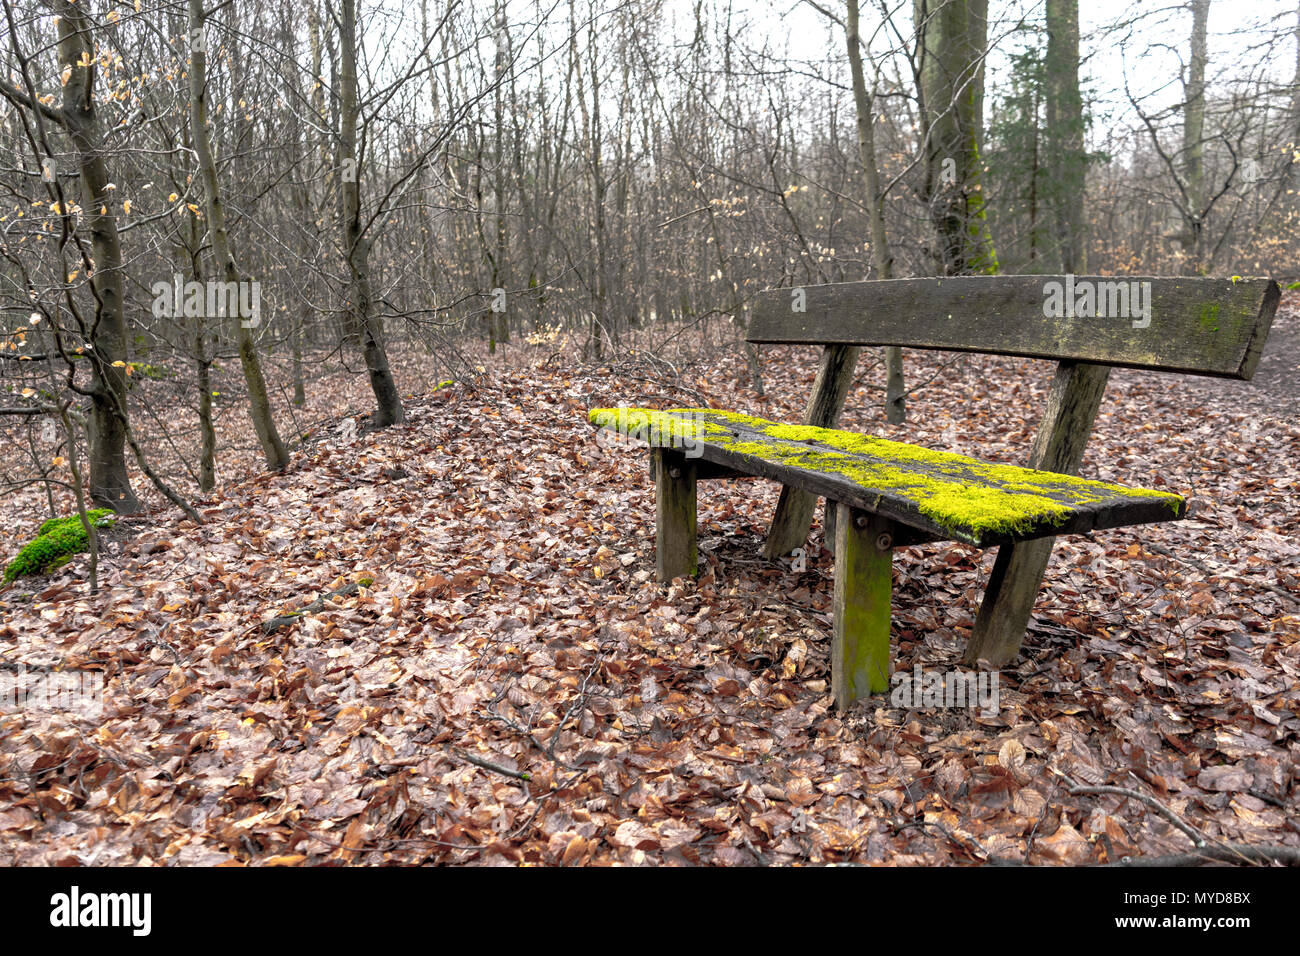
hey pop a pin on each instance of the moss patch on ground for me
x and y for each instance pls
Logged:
(56, 541)
(955, 492)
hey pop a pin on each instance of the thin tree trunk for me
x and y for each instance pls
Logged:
(356, 246)
(881, 255)
(78, 491)
(1293, 168)
(203, 370)
(500, 268)
(1193, 141)
(259, 402)
(207, 433)
(110, 487)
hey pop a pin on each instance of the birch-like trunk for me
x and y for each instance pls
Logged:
(1193, 141)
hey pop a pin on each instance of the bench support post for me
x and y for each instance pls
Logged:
(828, 524)
(675, 547)
(794, 509)
(863, 590)
(1018, 571)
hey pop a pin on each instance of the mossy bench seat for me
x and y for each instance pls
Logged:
(886, 494)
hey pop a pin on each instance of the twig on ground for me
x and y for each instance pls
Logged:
(488, 765)
(1029, 844)
(283, 620)
(1205, 852)
(1226, 853)
(1192, 833)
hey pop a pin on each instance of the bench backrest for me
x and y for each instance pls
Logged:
(1193, 325)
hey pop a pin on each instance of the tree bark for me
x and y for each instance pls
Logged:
(207, 433)
(1193, 141)
(259, 402)
(881, 255)
(110, 487)
(356, 246)
(951, 40)
(1066, 158)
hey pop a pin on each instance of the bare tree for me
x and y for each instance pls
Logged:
(259, 405)
(951, 43)
(104, 331)
(356, 242)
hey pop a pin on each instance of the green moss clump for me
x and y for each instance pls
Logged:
(655, 427)
(56, 541)
(733, 417)
(155, 372)
(956, 492)
(1009, 477)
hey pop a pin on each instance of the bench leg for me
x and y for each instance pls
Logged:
(789, 530)
(1072, 406)
(864, 570)
(828, 530)
(675, 549)
(1008, 602)
(794, 509)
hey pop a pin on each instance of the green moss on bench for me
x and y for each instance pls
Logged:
(956, 493)
(952, 504)
(659, 428)
(1010, 477)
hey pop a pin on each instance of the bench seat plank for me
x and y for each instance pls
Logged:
(943, 495)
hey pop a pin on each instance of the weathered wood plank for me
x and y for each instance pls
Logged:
(1200, 326)
(795, 507)
(905, 483)
(705, 470)
(1072, 408)
(675, 541)
(863, 595)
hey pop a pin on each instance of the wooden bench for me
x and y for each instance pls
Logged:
(888, 494)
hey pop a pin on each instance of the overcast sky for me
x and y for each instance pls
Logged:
(1138, 40)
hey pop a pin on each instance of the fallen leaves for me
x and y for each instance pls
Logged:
(510, 615)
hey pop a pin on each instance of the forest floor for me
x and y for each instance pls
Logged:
(510, 685)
